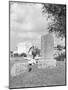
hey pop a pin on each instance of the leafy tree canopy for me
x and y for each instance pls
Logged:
(59, 12)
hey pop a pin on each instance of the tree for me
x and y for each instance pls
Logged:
(59, 13)
(59, 47)
(59, 26)
(35, 51)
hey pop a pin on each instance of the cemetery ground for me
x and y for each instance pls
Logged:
(38, 77)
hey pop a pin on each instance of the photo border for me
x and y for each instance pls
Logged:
(65, 46)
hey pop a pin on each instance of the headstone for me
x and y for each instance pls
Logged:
(47, 51)
(47, 46)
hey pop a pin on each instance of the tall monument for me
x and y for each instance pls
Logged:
(47, 51)
(47, 45)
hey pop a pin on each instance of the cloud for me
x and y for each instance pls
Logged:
(27, 22)
(30, 35)
(27, 17)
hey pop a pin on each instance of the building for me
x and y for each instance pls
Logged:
(23, 47)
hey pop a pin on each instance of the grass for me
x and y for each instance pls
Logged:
(39, 77)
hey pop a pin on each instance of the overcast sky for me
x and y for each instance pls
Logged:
(27, 23)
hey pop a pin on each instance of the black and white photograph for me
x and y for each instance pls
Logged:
(37, 44)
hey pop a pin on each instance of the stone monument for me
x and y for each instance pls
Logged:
(47, 51)
(47, 46)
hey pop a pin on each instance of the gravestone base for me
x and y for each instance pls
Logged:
(47, 63)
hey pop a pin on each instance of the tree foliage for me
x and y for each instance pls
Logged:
(34, 51)
(59, 13)
(59, 26)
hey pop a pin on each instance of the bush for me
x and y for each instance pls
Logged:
(61, 57)
(16, 55)
(24, 55)
(11, 53)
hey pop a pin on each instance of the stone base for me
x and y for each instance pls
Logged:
(46, 63)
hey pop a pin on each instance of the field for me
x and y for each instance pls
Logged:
(39, 77)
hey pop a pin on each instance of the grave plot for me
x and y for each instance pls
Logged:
(46, 63)
(47, 51)
(18, 68)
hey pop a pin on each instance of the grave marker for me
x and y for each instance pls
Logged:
(47, 46)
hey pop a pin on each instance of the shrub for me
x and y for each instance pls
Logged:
(16, 55)
(61, 57)
(24, 55)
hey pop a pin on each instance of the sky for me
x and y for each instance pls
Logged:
(27, 23)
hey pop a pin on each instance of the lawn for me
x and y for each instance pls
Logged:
(39, 77)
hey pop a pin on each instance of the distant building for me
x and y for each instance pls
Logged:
(23, 47)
